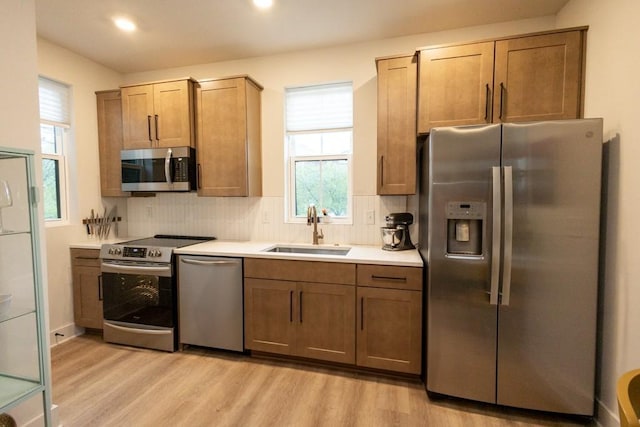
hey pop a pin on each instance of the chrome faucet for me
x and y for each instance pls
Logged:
(312, 218)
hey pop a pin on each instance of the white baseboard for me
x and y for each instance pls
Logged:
(38, 421)
(606, 417)
(60, 335)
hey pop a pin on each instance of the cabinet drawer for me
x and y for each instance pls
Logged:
(85, 257)
(384, 276)
(300, 271)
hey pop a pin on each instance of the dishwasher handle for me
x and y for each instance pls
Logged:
(212, 262)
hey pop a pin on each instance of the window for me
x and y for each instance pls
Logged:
(54, 128)
(319, 141)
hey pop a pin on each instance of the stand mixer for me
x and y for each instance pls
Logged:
(395, 235)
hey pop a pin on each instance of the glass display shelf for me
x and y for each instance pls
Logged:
(15, 312)
(13, 232)
(13, 390)
(24, 355)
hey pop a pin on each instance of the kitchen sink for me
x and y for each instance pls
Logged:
(309, 250)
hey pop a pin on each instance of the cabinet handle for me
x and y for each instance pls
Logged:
(149, 129)
(486, 105)
(300, 305)
(199, 177)
(100, 296)
(501, 99)
(156, 121)
(290, 306)
(381, 171)
(391, 279)
(85, 257)
(362, 313)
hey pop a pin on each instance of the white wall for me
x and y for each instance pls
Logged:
(19, 112)
(85, 77)
(612, 92)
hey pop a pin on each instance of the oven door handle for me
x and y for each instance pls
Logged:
(164, 271)
(140, 331)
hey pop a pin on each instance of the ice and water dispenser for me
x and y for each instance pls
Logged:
(465, 222)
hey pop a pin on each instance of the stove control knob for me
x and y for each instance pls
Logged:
(155, 253)
(115, 251)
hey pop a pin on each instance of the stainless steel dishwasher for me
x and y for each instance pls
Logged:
(210, 302)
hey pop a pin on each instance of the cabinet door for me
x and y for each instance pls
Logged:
(455, 85)
(138, 126)
(397, 81)
(269, 315)
(87, 288)
(538, 78)
(222, 138)
(173, 118)
(389, 330)
(326, 319)
(110, 142)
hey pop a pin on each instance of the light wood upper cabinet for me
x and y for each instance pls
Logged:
(455, 85)
(110, 142)
(229, 137)
(515, 79)
(396, 161)
(158, 115)
(87, 289)
(538, 78)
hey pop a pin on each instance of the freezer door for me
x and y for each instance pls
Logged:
(461, 321)
(547, 332)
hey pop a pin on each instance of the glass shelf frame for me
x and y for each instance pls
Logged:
(15, 389)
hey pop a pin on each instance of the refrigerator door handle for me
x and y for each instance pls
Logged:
(508, 235)
(495, 237)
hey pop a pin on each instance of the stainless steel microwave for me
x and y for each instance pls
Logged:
(158, 169)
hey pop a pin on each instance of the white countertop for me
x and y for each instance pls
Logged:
(250, 249)
(358, 253)
(97, 243)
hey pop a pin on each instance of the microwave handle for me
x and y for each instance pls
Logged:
(167, 166)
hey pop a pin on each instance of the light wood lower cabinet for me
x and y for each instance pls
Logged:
(313, 310)
(268, 315)
(87, 288)
(311, 319)
(389, 331)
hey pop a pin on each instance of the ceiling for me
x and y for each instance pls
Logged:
(175, 33)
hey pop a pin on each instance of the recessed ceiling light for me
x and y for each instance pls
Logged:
(125, 24)
(263, 4)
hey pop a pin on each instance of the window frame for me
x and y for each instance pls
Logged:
(63, 131)
(292, 159)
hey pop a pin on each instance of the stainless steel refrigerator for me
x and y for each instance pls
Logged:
(510, 214)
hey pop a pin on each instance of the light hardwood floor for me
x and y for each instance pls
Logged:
(99, 384)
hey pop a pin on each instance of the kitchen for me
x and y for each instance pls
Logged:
(611, 36)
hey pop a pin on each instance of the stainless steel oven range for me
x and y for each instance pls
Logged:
(140, 291)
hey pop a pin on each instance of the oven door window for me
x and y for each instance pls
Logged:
(142, 299)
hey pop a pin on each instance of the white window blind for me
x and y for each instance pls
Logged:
(319, 107)
(54, 102)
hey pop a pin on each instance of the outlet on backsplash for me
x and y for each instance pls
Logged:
(371, 217)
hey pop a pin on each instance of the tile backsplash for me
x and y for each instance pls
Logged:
(256, 218)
